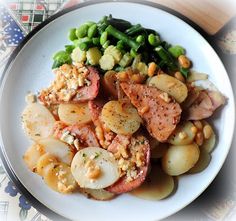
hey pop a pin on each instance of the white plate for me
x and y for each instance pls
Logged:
(31, 71)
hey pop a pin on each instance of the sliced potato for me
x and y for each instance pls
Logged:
(202, 163)
(158, 185)
(74, 113)
(59, 178)
(94, 168)
(179, 159)
(208, 144)
(195, 76)
(37, 121)
(57, 148)
(159, 150)
(183, 134)
(32, 155)
(121, 117)
(45, 161)
(109, 82)
(98, 194)
(170, 85)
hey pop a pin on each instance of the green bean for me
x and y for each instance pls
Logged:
(71, 35)
(120, 45)
(140, 39)
(133, 53)
(166, 57)
(103, 37)
(121, 36)
(106, 44)
(82, 31)
(176, 51)
(134, 29)
(154, 40)
(92, 31)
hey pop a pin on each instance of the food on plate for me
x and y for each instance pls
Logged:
(125, 113)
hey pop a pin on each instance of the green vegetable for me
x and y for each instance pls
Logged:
(176, 50)
(184, 72)
(84, 46)
(120, 24)
(134, 29)
(154, 40)
(140, 39)
(133, 53)
(71, 35)
(125, 60)
(106, 44)
(89, 23)
(60, 58)
(69, 48)
(93, 55)
(136, 60)
(166, 57)
(121, 36)
(103, 37)
(82, 31)
(92, 31)
(96, 41)
(120, 45)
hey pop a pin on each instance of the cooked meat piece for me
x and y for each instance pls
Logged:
(205, 104)
(133, 156)
(72, 84)
(84, 135)
(160, 112)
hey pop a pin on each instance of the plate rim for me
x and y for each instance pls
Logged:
(7, 165)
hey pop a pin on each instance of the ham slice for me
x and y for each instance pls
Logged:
(160, 116)
(132, 145)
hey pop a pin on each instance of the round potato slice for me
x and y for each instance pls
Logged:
(94, 168)
(183, 134)
(171, 86)
(37, 121)
(202, 163)
(98, 194)
(57, 148)
(32, 155)
(179, 159)
(158, 185)
(59, 178)
(74, 113)
(120, 117)
(44, 161)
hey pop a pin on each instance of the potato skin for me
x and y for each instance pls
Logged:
(179, 159)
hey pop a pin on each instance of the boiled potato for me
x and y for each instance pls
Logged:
(74, 113)
(94, 168)
(158, 185)
(59, 178)
(208, 144)
(202, 163)
(98, 194)
(183, 134)
(46, 160)
(121, 117)
(37, 121)
(57, 148)
(179, 159)
(195, 76)
(32, 155)
(109, 82)
(159, 150)
(170, 85)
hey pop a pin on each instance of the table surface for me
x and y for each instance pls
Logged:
(218, 202)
